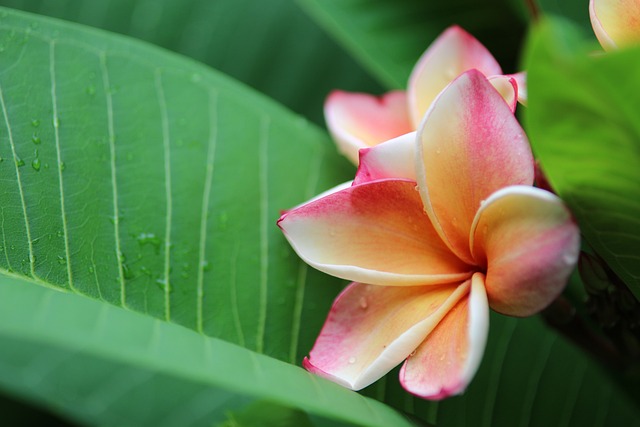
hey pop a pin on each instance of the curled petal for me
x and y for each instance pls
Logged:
(452, 53)
(358, 120)
(615, 22)
(375, 233)
(469, 145)
(391, 159)
(508, 88)
(529, 244)
(371, 329)
(445, 363)
(521, 81)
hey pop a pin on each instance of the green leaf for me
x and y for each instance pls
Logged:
(389, 36)
(242, 38)
(576, 11)
(583, 124)
(104, 365)
(148, 181)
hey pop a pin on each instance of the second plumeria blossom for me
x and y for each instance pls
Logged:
(438, 226)
(358, 120)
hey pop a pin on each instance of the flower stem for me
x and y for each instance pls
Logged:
(534, 10)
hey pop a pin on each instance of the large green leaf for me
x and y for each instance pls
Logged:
(389, 36)
(245, 39)
(104, 365)
(149, 181)
(583, 123)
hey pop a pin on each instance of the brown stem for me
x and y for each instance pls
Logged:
(534, 10)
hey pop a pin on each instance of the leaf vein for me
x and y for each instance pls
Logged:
(167, 183)
(264, 237)
(114, 182)
(204, 217)
(56, 129)
(20, 189)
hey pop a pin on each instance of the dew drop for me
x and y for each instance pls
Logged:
(91, 90)
(62, 166)
(206, 265)
(56, 122)
(61, 260)
(36, 139)
(19, 162)
(35, 164)
(363, 303)
(35, 123)
(91, 269)
(352, 360)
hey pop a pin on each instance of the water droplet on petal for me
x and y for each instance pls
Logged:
(352, 360)
(363, 303)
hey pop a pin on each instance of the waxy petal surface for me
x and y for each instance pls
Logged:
(452, 53)
(448, 359)
(521, 81)
(615, 22)
(507, 87)
(371, 329)
(391, 159)
(376, 232)
(469, 145)
(358, 120)
(529, 244)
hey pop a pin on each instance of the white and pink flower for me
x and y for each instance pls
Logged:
(438, 226)
(358, 120)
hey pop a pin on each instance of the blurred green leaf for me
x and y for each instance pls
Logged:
(583, 123)
(389, 36)
(294, 63)
(576, 11)
(104, 365)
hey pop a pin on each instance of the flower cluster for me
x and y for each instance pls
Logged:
(441, 222)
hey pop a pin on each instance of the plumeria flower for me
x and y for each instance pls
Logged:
(615, 22)
(438, 226)
(358, 120)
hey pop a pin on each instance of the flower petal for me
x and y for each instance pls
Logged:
(615, 22)
(358, 120)
(375, 233)
(469, 145)
(507, 87)
(529, 244)
(521, 81)
(452, 53)
(445, 363)
(391, 159)
(371, 329)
